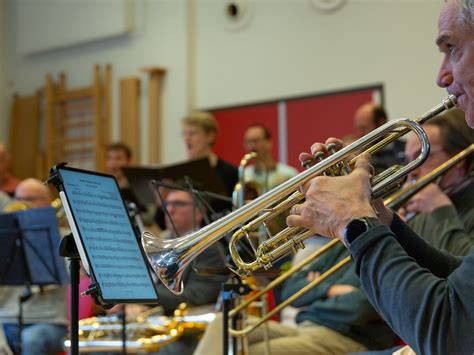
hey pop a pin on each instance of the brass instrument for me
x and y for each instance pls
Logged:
(395, 201)
(16, 205)
(147, 333)
(400, 198)
(242, 186)
(169, 258)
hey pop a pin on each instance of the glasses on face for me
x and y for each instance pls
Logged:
(433, 152)
(177, 204)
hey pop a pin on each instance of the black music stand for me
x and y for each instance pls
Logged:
(200, 171)
(28, 255)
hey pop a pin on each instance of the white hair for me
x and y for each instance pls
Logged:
(466, 13)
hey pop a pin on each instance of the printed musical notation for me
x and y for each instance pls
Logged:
(108, 236)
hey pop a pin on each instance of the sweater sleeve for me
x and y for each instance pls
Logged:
(431, 313)
(439, 262)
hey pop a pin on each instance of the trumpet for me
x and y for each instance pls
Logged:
(169, 258)
(395, 201)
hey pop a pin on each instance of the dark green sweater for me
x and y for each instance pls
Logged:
(449, 227)
(350, 314)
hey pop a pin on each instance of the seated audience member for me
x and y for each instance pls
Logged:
(266, 171)
(118, 156)
(334, 317)
(8, 182)
(444, 211)
(368, 117)
(44, 314)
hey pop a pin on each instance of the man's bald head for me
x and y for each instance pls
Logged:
(368, 117)
(33, 191)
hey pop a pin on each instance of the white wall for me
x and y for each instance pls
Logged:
(290, 48)
(287, 48)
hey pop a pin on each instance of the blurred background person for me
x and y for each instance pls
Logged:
(443, 212)
(266, 171)
(8, 182)
(368, 117)
(44, 314)
(118, 156)
(199, 130)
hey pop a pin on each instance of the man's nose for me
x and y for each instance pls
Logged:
(445, 76)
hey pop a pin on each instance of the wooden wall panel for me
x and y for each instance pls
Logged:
(24, 137)
(130, 114)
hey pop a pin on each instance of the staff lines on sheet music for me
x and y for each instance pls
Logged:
(100, 221)
(111, 249)
(107, 240)
(127, 285)
(109, 196)
(120, 266)
(105, 231)
(114, 257)
(116, 206)
(117, 276)
(99, 212)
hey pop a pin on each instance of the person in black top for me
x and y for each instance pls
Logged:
(199, 130)
(424, 293)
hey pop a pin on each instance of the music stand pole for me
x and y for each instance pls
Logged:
(68, 249)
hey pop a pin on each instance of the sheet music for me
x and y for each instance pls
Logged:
(107, 236)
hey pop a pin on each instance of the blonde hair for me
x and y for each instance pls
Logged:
(202, 119)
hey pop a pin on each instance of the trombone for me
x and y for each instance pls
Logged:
(169, 258)
(400, 198)
(395, 201)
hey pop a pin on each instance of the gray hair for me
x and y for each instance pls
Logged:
(466, 13)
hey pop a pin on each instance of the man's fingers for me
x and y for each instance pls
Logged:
(363, 162)
(339, 143)
(294, 221)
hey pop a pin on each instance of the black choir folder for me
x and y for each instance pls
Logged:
(200, 171)
(108, 245)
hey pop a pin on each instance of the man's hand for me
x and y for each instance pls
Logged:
(427, 200)
(331, 202)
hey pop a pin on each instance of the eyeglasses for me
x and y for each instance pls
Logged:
(177, 204)
(432, 153)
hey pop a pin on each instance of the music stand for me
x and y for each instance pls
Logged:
(199, 171)
(105, 239)
(28, 255)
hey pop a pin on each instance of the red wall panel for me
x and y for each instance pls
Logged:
(232, 125)
(316, 119)
(308, 120)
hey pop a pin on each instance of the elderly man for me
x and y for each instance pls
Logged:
(425, 294)
(45, 312)
(8, 182)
